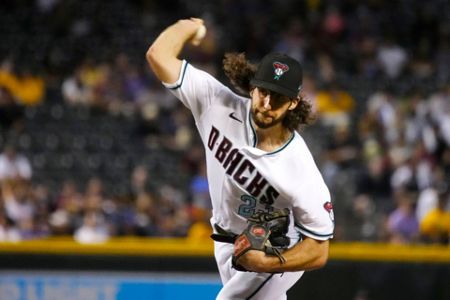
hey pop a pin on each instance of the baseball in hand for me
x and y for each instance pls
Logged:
(199, 35)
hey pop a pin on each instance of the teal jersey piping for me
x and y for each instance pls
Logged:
(182, 77)
(312, 232)
(255, 137)
(284, 146)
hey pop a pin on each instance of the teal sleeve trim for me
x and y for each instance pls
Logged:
(183, 72)
(312, 233)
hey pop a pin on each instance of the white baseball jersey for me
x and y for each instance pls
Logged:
(243, 179)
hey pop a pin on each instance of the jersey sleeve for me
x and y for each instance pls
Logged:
(195, 88)
(313, 210)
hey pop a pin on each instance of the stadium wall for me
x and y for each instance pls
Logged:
(158, 268)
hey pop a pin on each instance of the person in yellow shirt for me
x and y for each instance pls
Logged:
(334, 105)
(8, 80)
(27, 89)
(31, 89)
(435, 226)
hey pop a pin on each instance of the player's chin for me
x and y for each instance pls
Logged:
(264, 121)
(264, 124)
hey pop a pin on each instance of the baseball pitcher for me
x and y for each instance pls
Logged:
(272, 214)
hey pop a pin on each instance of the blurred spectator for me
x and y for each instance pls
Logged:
(435, 225)
(19, 207)
(333, 23)
(439, 104)
(13, 165)
(373, 180)
(120, 215)
(145, 218)
(200, 228)
(292, 42)
(87, 85)
(381, 107)
(148, 123)
(93, 229)
(427, 199)
(74, 91)
(173, 212)
(69, 191)
(366, 64)
(402, 225)
(199, 190)
(391, 57)
(94, 188)
(326, 69)
(25, 87)
(135, 84)
(38, 226)
(67, 214)
(440, 113)
(334, 105)
(140, 181)
(8, 232)
(417, 127)
(341, 153)
(30, 89)
(200, 205)
(362, 220)
(342, 149)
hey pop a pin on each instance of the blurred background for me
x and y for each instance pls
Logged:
(93, 149)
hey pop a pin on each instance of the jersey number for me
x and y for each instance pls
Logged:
(247, 209)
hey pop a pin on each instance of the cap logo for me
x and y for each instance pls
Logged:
(279, 69)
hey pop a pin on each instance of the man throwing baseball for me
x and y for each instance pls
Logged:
(272, 214)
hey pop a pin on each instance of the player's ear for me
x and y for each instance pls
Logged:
(251, 92)
(293, 104)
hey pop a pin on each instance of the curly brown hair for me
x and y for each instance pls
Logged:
(240, 71)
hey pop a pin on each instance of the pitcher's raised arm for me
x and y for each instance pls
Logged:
(162, 55)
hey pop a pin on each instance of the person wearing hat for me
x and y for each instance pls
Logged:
(256, 160)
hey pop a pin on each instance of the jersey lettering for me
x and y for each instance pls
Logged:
(229, 158)
(257, 185)
(235, 158)
(269, 196)
(238, 175)
(223, 149)
(213, 135)
(241, 169)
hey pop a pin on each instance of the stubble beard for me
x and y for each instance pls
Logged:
(260, 120)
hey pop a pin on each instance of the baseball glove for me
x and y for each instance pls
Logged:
(265, 232)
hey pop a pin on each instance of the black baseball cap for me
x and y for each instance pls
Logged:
(279, 73)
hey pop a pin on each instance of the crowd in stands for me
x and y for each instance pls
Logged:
(376, 73)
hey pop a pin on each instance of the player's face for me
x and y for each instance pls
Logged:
(268, 108)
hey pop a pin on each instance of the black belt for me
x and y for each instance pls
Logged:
(223, 236)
